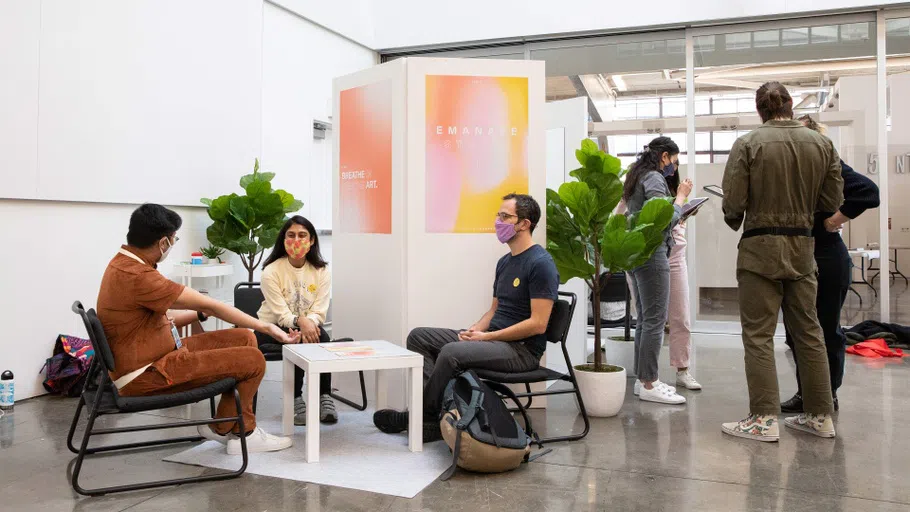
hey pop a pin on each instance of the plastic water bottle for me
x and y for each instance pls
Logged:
(7, 391)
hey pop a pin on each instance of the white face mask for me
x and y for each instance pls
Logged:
(166, 252)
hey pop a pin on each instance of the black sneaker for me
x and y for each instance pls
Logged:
(836, 405)
(391, 421)
(793, 405)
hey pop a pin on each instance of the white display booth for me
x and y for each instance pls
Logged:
(424, 150)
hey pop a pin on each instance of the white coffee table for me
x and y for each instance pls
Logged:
(318, 358)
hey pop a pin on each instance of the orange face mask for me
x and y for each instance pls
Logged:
(296, 249)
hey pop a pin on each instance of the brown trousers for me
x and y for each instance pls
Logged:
(204, 359)
(760, 300)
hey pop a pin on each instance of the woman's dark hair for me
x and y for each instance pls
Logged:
(773, 101)
(648, 160)
(313, 257)
(673, 183)
(150, 223)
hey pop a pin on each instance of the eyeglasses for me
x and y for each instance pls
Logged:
(503, 216)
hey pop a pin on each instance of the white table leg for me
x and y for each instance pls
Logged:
(287, 397)
(382, 389)
(415, 408)
(312, 416)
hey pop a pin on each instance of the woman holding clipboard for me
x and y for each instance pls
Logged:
(651, 281)
(680, 336)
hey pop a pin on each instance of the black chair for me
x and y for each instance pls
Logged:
(614, 288)
(557, 332)
(101, 396)
(248, 298)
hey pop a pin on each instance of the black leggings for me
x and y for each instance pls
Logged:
(834, 276)
(269, 345)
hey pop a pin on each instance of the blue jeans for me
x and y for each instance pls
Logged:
(651, 283)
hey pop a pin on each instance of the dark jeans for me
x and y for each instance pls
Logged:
(269, 345)
(834, 276)
(444, 357)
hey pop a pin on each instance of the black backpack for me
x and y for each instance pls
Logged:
(480, 430)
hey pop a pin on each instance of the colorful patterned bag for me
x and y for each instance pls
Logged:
(69, 366)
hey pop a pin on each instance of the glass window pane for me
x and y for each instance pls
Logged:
(795, 36)
(720, 159)
(624, 110)
(898, 28)
(644, 139)
(702, 141)
(703, 159)
(676, 46)
(674, 107)
(723, 140)
(679, 139)
(745, 105)
(628, 49)
(739, 41)
(824, 34)
(620, 144)
(859, 31)
(705, 43)
(649, 109)
(627, 161)
(725, 106)
(654, 47)
(702, 107)
(766, 38)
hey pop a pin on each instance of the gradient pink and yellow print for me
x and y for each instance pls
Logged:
(477, 149)
(365, 158)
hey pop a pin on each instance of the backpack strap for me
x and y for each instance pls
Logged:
(455, 452)
(476, 401)
(507, 392)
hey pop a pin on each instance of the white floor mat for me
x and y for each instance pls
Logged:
(353, 454)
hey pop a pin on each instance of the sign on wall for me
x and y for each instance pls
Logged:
(365, 155)
(476, 149)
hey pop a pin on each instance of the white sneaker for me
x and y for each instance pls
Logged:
(206, 432)
(757, 427)
(259, 441)
(636, 388)
(820, 425)
(662, 394)
(686, 380)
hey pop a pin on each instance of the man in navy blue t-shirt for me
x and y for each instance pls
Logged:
(510, 337)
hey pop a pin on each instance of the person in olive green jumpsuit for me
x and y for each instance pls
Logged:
(776, 178)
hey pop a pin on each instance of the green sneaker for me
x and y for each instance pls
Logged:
(758, 427)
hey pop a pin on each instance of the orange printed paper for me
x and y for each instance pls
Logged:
(365, 154)
(477, 149)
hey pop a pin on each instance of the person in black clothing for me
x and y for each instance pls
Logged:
(510, 337)
(834, 271)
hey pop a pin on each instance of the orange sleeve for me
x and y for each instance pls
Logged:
(153, 291)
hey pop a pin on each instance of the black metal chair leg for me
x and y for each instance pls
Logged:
(84, 450)
(363, 395)
(72, 432)
(212, 406)
(255, 401)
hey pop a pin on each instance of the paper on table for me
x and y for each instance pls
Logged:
(349, 349)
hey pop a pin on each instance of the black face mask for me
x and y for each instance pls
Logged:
(669, 170)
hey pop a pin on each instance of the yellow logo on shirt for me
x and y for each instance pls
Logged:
(516, 282)
(311, 288)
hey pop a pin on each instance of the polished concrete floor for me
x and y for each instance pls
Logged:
(650, 458)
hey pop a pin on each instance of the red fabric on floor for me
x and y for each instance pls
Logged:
(875, 348)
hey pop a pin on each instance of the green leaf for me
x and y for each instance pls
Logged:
(612, 165)
(220, 207)
(571, 262)
(580, 200)
(657, 211)
(242, 212)
(620, 247)
(206, 201)
(581, 156)
(256, 166)
(257, 189)
(288, 203)
(589, 146)
(266, 176)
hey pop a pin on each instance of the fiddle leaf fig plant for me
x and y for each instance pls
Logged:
(248, 224)
(584, 234)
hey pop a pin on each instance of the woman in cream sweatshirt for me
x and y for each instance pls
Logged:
(296, 284)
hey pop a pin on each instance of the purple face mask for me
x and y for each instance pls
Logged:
(504, 231)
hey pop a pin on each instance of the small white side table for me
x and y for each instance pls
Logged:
(318, 358)
(185, 273)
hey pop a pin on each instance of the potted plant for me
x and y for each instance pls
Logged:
(584, 235)
(212, 252)
(248, 224)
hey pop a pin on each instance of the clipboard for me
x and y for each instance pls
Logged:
(714, 190)
(691, 207)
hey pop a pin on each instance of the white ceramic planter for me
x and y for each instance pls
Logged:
(620, 353)
(603, 393)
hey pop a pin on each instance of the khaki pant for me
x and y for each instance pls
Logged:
(204, 359)
(760, 299)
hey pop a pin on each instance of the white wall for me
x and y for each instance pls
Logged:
(405, 23)
(139, 70)
(352, 19)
